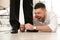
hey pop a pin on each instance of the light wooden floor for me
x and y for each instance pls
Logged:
(6, 35)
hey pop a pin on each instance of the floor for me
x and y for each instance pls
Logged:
(6, 35)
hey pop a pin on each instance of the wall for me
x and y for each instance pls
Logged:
(4, 3)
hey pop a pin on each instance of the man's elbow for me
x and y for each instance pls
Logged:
(47, 30)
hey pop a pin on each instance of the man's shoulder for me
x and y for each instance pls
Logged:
(51, 14)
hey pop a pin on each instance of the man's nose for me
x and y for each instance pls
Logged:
(36, 16)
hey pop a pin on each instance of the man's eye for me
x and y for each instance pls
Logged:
(37, 13)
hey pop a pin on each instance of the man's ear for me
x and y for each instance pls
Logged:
(44, 10)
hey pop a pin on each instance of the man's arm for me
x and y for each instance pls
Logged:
(49, 27)
(43, 28)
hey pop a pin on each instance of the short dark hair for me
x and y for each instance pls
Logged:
(39, 5)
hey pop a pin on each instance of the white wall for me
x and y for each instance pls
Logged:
(56, 8)
(5, 3)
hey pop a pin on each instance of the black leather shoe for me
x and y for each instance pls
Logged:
(32, 30)
(14, 31)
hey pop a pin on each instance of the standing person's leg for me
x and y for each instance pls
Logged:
(28, 11)
(14, 15)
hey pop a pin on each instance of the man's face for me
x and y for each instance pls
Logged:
(40, 13)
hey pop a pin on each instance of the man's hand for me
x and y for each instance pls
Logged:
(29, 26)
(22, 28)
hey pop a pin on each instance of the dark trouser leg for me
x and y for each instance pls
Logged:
(14, 14)
(28, 11)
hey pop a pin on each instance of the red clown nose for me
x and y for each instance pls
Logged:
(36, 16)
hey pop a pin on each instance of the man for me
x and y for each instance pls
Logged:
(43, 20)
(14, 13)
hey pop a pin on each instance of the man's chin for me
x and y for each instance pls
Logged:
(39, 18)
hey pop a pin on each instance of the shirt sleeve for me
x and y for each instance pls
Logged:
(53, 23)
